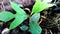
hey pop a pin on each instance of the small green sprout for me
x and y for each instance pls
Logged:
(39, 6)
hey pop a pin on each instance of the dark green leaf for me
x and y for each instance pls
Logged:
(35, 28)
(35, 17)
(24, 27)
(39, 6)
(6, 16)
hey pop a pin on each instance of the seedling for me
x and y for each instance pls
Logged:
(20, 16)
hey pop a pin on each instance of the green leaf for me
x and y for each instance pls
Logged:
(39, 6)
(18, 20)
(35, 28)
(24, 27)
(20, 16)
(17, 8)
(35, 17)
(6, 16)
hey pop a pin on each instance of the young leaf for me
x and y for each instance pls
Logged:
(6, 16)
(39, 6)
(36, 6)
(35, 17)
(18, 20)
(17, 8)
(20, 16)
(35, 28)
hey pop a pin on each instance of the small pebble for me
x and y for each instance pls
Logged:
(5, 31)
